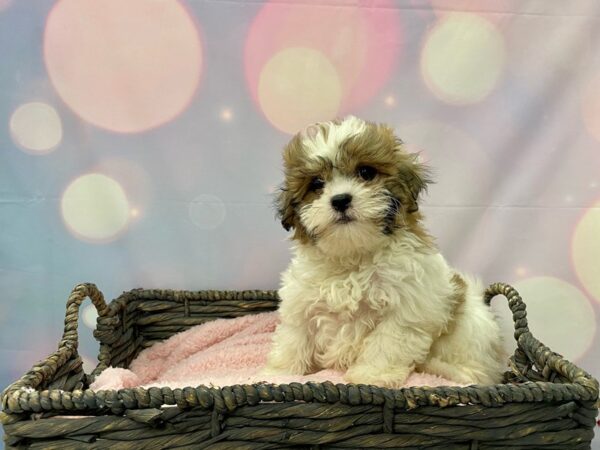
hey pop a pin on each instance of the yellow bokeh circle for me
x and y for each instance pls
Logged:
(298, 86)
(463, 58)
(36, 127)
(559, 315)
(95, 208)
(586, 251)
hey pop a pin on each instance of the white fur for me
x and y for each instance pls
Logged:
(327, 147)
(361, 234)
(377, 306)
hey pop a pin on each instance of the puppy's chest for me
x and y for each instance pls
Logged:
(338, 337)
(341, 318)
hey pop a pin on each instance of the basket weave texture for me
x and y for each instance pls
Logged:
(544, 402)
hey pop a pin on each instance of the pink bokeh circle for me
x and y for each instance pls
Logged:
(362, 42)
(126, 66)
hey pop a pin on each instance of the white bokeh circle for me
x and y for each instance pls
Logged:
(95, 208)
(36, 127)
(462, 58)
(89, 314)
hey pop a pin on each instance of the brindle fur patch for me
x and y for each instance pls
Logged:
(457, 299)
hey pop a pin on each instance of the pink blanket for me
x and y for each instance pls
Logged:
(223, 352)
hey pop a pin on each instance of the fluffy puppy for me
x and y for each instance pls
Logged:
(367, 291)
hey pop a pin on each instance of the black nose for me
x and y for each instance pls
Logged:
(341, 202)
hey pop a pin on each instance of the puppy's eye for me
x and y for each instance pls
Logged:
(367, 173)
(316, 183)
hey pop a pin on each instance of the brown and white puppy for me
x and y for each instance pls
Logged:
(367, 291)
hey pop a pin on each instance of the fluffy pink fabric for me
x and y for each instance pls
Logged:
(219, 353)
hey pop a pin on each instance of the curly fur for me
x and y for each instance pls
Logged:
(367, 291)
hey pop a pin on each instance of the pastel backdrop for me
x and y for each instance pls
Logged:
(140, 145)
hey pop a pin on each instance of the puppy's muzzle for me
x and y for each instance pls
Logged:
(341, 202)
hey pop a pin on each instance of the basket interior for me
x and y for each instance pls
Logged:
(140, 318)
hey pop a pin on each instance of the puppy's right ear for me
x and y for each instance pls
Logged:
(285, 203)
(285, 208)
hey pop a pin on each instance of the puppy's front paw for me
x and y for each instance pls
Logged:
(391, 377)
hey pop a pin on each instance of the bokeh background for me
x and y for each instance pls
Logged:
(140, 145)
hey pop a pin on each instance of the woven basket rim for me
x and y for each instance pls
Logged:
(23, 395)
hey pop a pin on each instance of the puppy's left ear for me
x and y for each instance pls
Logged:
(415, 177)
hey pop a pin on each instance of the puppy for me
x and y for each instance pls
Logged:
(367, 292)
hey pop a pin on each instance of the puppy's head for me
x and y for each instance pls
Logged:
(349, 186)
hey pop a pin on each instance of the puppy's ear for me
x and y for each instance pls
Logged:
(411, 176)
(415, 177)
(285, 203)
(285, 208)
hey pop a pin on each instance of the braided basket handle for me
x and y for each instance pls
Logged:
(531, 351)
(515, 303)
(520, 362)
(44, 371)
(79, 293)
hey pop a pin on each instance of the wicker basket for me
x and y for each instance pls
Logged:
(545, 402)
